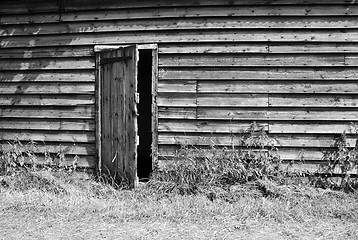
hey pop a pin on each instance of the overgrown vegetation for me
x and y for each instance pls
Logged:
(195, 170)
(16, 156)
(224, 193)
(200, 170)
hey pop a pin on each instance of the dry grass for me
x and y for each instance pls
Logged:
(45, 205)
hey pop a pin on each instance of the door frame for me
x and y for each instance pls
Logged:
(154, 145)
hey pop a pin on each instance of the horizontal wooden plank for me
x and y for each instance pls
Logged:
(285, 35)
(41, 136)
(177, 86)
(237, 140)
(176, 112)
(322, 127)
(46, 88)
(301, 100)
(70, 161)
(211, 140)
(32, 18)
(313, 48)
(15, 7)
(229, 100)
(176, 99)
(46, 100)
(75, 112)
(259, 73)
(305, 86)
(97, 4)
(223, 10)
(47, 52)
(278, 114)
(167, 152)
(189, 48)
(80, 161)
(210, 100)
(179, 24)
(48, 64)
(66, 148)
(76, 125)
(199, 126)
(237, 127)
(297, 167)
(249, 60)
(42, 76)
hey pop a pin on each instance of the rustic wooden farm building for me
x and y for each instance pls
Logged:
(73, 71)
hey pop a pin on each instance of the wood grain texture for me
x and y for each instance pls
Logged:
(82, 149)
(47, 52)
(257, 60)
(46, 88)
(290, 66)
(317, 114)
(209, 126)
(38, 124)
(47, 76)
(47, 64)
(259, 74)
(305, 86)
(48, 112)
(288, 140)
(45, 100)
(42, 136)
(180, 23)
(286, 35)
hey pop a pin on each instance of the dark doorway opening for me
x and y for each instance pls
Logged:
(144, 120)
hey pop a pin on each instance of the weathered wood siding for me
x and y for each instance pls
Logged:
(289, 65)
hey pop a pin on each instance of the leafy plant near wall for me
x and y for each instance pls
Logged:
(16, 156)
(196, 169)
(342, 163)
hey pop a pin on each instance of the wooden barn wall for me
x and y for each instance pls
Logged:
(291, 66)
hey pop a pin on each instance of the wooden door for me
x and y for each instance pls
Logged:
(118, 113)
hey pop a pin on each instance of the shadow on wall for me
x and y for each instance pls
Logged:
(46, 93)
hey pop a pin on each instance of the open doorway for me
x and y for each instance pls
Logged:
(144, 120)
(126, 90)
